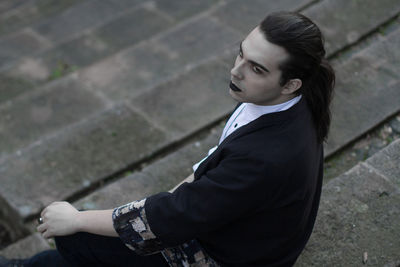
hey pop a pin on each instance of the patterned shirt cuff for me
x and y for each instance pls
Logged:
(131, 224)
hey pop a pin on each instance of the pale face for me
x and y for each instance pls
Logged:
(256, 72)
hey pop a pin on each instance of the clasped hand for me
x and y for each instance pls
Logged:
(59, 218)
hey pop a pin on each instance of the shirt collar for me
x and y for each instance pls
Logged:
(254, 111)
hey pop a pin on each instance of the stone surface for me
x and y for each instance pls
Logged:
(129, 73)
(80, 17)
(26, 247)
(10, 5)
(20, 13)
(11, 227)
(367, 91)
(356, 215)
(30, 118)
(344, 22)
(12, 87)
(183, 9)
(244, 16)
(20, 44)
(160, 176)
(72, 161)
(387, 162)
(126, 30)
(105, 40)
(186, 104)
(159, 79)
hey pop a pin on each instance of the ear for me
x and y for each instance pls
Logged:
(291, 86)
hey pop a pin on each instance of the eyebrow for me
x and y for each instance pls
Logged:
(253, 62)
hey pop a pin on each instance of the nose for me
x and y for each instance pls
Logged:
(236, 70)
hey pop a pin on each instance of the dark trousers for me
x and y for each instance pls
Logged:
(84, 249)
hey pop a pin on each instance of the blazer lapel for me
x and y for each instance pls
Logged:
(259, 123)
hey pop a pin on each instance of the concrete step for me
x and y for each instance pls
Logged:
(31, 117)
(73, 159)
(26, 247)
(48, 32)
(158, 108)
(359, 216)
(346, 22)
(356, 207)
(77, 158)
(120, 78)
(162, 175)
(73, 50)
(113, 78)
(16, 14)
(367, 90)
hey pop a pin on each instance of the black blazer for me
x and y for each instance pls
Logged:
(254, 200)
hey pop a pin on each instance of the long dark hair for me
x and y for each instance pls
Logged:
(303, 41)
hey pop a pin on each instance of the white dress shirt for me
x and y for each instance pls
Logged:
(244, 114)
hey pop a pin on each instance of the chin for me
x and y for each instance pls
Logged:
(233, 94)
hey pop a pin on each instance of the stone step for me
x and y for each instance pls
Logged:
(66, 165)
(137, 69)
(80, 156)
(346, 22)
(367, 90)
(73, 21)
(89, 152)
(120, 78)
(28, 119)
(158, 110)
(101, 42)
(160, 176)
(58, 58)
(359, 215)
(26, 247)
(16, 14)
(113, 79)
(10, 5)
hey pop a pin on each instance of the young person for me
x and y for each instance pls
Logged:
(254, 199)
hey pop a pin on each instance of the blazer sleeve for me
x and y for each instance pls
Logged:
(222, 195)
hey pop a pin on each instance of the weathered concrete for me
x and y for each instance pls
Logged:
(244, 16)
(107, 39)
(9, 5)
(151, 77)
(20, 44)
(160, 176)
(185, 105)
(16, 14)
(182, 9)
(11, 228)
(367, 90)
(357, 215)
(344, 22)
(76, 158)
(130, 72)
(26, 247)
(80, 17)
(12, 87)
(387, 162)
(30, 118)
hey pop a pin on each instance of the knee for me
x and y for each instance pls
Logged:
(67, 243)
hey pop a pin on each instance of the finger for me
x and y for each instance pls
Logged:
(42, 227)
(46, 234)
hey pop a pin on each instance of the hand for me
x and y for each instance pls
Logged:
(59, 218)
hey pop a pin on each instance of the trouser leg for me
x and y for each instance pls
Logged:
(84, 249)
(48, 258)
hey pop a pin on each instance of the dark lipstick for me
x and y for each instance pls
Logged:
(234, 87)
